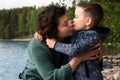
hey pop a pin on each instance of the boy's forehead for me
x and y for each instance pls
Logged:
(79, 10)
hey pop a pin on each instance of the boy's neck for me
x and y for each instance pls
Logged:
(88, 27)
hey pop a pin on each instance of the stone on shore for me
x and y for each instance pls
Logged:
(111, 67)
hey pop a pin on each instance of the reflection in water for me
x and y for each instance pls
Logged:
(13, 56)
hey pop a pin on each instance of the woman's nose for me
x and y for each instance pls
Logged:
(73, 21)
(70, 23)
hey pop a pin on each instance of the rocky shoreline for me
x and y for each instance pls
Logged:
(17, 39)
(111, 67)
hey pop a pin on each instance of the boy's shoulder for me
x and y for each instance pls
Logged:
(87, 32)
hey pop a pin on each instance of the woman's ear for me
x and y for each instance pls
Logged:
(88, 21)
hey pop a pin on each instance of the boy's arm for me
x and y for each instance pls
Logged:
(81, 44)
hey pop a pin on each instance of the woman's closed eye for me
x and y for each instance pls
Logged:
(65, 23)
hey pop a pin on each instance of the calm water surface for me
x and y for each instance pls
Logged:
(13, 58)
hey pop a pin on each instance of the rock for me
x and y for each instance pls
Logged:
(111, 67)
(106, 71)
(105, 57)
(117, 76)
(105, 60)
(116, 67)
(117, 57)
(107, 64)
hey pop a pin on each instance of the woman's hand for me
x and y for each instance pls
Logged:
(93, 53)
(38, 36)
(99, 47)
(51, 42)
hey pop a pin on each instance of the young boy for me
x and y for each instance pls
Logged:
(88, 15)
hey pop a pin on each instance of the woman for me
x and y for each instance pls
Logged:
(45, 63)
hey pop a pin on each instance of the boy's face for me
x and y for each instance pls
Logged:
(80, 19)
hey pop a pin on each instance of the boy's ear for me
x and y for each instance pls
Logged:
(88, 21)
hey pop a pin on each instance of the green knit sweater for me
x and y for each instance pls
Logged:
(45, 63)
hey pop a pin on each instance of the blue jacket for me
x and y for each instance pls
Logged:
(81, 41)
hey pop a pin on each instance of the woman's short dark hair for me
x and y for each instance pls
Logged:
(48, 21)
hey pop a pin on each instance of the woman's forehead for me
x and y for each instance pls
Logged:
(64, 18)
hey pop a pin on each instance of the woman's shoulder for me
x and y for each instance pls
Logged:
(37, 47)
(36, 44)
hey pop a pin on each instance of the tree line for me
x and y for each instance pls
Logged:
(18, 22)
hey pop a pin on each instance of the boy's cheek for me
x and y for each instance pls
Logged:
(76, 24)
(76, 27)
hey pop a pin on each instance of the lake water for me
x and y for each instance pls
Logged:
(13, 58)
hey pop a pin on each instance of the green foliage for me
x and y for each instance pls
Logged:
(31, 18)
(70, 12)
(7, 32)
(111, 48)
(112, 21)
(111, 18)
(21, 25)
(18, 23)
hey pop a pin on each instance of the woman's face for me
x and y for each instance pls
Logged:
(64, 27)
